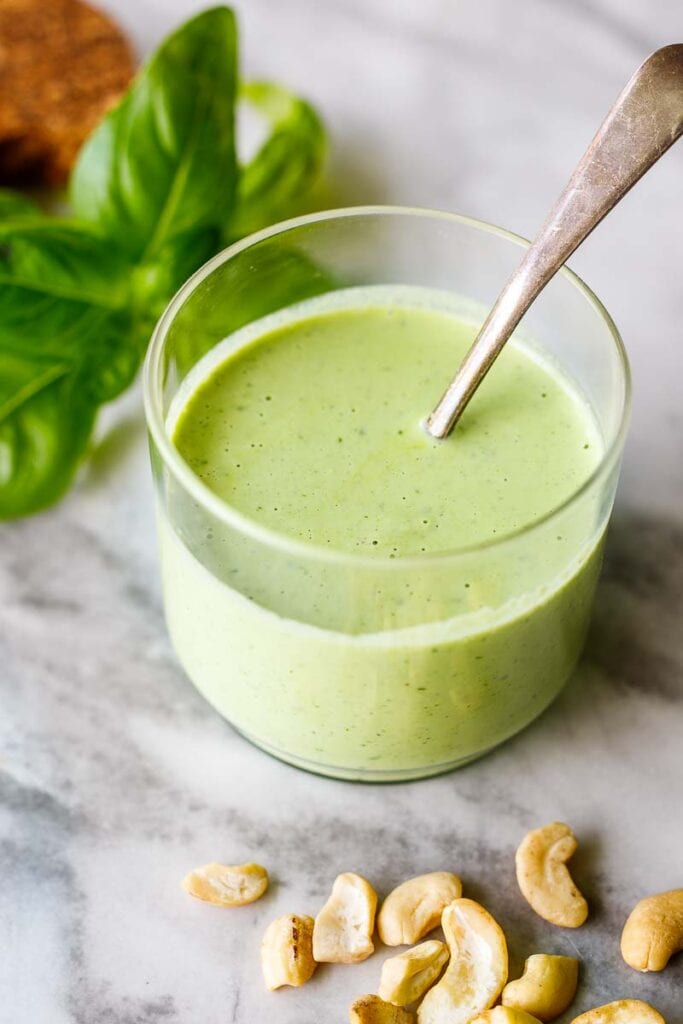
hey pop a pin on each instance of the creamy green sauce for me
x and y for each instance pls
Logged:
(310, 425)
(315, 431)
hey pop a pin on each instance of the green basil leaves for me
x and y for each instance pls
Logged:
(67, 343)
(281, 174)
(156, 191)
(163, 162)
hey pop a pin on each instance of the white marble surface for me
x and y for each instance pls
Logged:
(117, 778)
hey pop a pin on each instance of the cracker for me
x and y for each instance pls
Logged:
(63, 64)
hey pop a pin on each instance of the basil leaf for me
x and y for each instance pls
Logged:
(162, 162)
(65, 298)
(46, 418)
(285, 166)
(156, 282)
(69, 340)
(14, 204)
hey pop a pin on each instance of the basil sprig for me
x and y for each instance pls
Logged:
(156, 191)
(285, 166)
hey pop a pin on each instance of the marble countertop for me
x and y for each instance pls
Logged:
(117, 777)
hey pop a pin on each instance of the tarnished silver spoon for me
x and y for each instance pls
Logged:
(646, 119)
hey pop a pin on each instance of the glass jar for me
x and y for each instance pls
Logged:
(374, 668)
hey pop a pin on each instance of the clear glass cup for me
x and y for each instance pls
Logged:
(374, 668)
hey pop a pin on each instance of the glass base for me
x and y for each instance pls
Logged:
(364, 774)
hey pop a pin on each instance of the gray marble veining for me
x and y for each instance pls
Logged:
(117, 777)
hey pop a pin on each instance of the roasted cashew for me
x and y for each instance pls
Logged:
(544, 879)
(547, 986)
(504, 1015)
(406, 977)
(477, 970)
(415, 907)
(227, 886)
(373, 1010)
(287, 952)
(654, 931)
(624, 1011)
(343, 929)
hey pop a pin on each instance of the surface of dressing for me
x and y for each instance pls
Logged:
(314, 430)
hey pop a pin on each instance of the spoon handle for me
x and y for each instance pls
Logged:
(646, 119)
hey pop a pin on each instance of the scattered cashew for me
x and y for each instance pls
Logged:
(504, 1015)
(624, 1011)
(654, 931)
(373, 1010)
(477, 970)
(544, 879)
(406, 977)
(287, 952)
(227, 886)
(415, 907)
(547, 986)
(343, 929)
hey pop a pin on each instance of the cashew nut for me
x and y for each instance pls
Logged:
(477, 970)
(227, 886)
(343, 929)
(544, 879)
(406, 977)
(654, 931)
(504, 1015)
(415, 907)
(624, 1011)
(373, 1010)
(547, 986)
(287, 952)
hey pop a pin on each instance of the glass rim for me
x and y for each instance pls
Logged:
(152, 388)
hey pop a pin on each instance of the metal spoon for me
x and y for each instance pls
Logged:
(646, 119)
